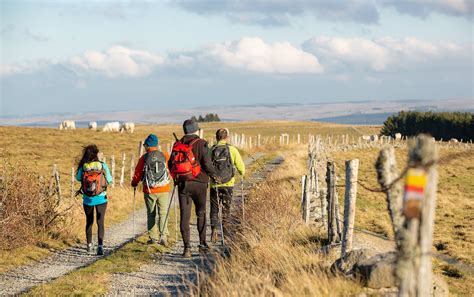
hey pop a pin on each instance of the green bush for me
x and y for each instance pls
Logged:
(441, 125)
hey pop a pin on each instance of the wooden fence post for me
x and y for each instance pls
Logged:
(73, 179)
(258, 140)
(337, 215)
(140, 149)
(122, 170)
(304, 185)
(112, 163)
(132, 166)
(57, 180)
(413, 269)
(331, 206)
(387, 172)
(350, 195)
(307, 198)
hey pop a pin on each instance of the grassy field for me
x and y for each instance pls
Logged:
(39, 148)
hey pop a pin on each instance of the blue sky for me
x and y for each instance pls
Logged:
(71, 56)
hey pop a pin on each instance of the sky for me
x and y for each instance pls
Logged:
(79, 56)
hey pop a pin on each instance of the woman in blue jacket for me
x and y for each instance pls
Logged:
(94, 176)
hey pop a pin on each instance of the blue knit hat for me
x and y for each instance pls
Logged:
(151, 140)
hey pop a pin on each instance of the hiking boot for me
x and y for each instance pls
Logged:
(187, 253)
(152, 241)
(164, 242)
(100, 251)
(89, 247)
(203, 248)
(214, 235)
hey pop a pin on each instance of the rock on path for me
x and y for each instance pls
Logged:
(26, 277)
(172, 275)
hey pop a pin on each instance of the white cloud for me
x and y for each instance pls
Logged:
(423, 8)
(117, 61)
(253, 54)
(377, 55)
(24, 67)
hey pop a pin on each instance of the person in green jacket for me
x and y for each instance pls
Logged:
(226, 159)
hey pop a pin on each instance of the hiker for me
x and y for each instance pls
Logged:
(226, 159)
(94, 176)
(152, 170)
(190, 166)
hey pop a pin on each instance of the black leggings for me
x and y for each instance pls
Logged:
(189, 192)
(100, 212)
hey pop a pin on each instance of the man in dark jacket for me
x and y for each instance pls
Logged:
(194, 190)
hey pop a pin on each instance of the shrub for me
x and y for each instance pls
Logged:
(29, 207)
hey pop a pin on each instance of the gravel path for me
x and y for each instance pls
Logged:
(171, 275)
(26, 277)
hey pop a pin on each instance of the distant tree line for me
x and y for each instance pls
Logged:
(445, 125)
(210, 117)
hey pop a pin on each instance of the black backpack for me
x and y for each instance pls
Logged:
(155, 172)
(220, 156)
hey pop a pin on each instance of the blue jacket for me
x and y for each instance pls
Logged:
(102, 197)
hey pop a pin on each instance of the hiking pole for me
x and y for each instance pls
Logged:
(134, 198)
(243, 200)
(221, 205)
(225, 249)
(175, 220)
(167, 214)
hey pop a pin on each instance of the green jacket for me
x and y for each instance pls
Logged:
(237, 161)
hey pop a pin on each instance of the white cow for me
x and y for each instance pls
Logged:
(67, 125)
(398, 136)
(454, 140)
(127, 127)
(93, 126)
(111, 127)
(366, 137)
(374, 138)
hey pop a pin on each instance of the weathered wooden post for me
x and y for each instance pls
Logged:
(140, 149)
(258, 140)
(299, 138)
(307, 198)
(112, 163)
(57, 180)
(250, 142)
(132, 166)
(413, 269)
(350, 195)
(73, 179)
(303, 182)
(331, 193)
(122, 170)
(337, 215)
(387, 173)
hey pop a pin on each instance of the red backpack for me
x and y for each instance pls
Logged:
(93, 181)
(184, 165)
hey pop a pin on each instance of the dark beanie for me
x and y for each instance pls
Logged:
(151, 140)
(190, 126)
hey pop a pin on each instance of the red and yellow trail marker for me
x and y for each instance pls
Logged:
(415, 185)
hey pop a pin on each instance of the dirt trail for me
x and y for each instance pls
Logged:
(171, 274)
(26, 277)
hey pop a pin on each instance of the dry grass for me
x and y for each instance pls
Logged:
(277, 256)
(30, 211)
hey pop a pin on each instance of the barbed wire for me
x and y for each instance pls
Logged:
(442, 161)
